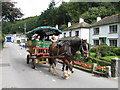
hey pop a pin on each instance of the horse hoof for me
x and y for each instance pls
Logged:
(65, 77)
(54, 74)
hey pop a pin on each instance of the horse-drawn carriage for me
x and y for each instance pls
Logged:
(44, 51)
(39, 49)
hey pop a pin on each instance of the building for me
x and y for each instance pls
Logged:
(80, 29)
(106, 30)
(16, 38)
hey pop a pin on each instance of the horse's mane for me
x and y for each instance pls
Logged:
(68, 38)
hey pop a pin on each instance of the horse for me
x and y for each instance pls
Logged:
(67, 50)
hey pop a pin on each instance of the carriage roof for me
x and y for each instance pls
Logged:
(45, 30)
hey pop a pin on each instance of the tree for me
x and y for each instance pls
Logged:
(9, 12)
(94, 12)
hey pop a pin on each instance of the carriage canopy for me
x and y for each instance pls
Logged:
(46, 31)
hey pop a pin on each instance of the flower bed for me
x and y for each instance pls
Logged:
(84, 65)
(101, 69)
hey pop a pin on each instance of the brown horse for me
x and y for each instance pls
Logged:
(67, 50)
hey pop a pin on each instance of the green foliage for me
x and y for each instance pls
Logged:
(92, 54)
(108, 58)
(109, 53)
(10, 13)
(89, 62)
(95, 12)
(104, 50)
(111, 48)
(117, 51)
(62, 26)
(92, 50)
(19, 26)
(66, 12)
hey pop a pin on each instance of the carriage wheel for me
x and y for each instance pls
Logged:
(33, 64)
(28, 59)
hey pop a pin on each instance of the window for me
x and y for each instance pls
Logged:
(103, 40)
(113, 29)
(96, 31)
(64, 34)
(113, 42)
(96, 42)
(70, 34)
(76, 33)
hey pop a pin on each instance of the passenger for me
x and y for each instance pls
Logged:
(53, 39)
(38, 38)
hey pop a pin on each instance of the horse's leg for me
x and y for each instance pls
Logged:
(50, 68)
(68, 70)
(63, 67)
(69, 66)
(50, 65)
(54, 68)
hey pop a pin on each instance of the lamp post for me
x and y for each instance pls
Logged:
(24, 28)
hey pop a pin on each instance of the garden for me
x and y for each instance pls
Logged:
(99, 59)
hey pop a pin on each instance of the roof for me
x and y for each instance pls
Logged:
(108, 20)
(77, 25)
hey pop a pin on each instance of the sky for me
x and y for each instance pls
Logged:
(34, 7)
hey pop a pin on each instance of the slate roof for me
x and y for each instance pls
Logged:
(107, 20)
(77, 25)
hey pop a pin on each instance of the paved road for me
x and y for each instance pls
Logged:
(17, 74)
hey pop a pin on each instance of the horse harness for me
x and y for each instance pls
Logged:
(67, 48)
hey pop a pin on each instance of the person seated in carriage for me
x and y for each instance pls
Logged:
(37, 38)
(53, 39)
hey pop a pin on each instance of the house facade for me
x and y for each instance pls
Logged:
(80, 29)
(107, 31)
(16, 37)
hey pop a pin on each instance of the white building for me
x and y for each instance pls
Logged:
(106, 30)
(80, 29)
(20, 38)
(16, 37)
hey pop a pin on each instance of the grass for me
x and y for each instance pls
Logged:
(110, 57)
(106, 58)
(92, 54)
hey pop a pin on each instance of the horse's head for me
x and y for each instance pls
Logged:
(84, 48)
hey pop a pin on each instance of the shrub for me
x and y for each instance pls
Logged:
(103, 54)
(111, 48)
(109, 53)
(116, 51)
(92, 50)
(103, 48)
(97, 55)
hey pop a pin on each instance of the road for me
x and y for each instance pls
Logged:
(15, 73)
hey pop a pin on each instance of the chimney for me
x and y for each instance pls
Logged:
(81, 20)
(98, 19)
(69, 24)
(56, 26)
